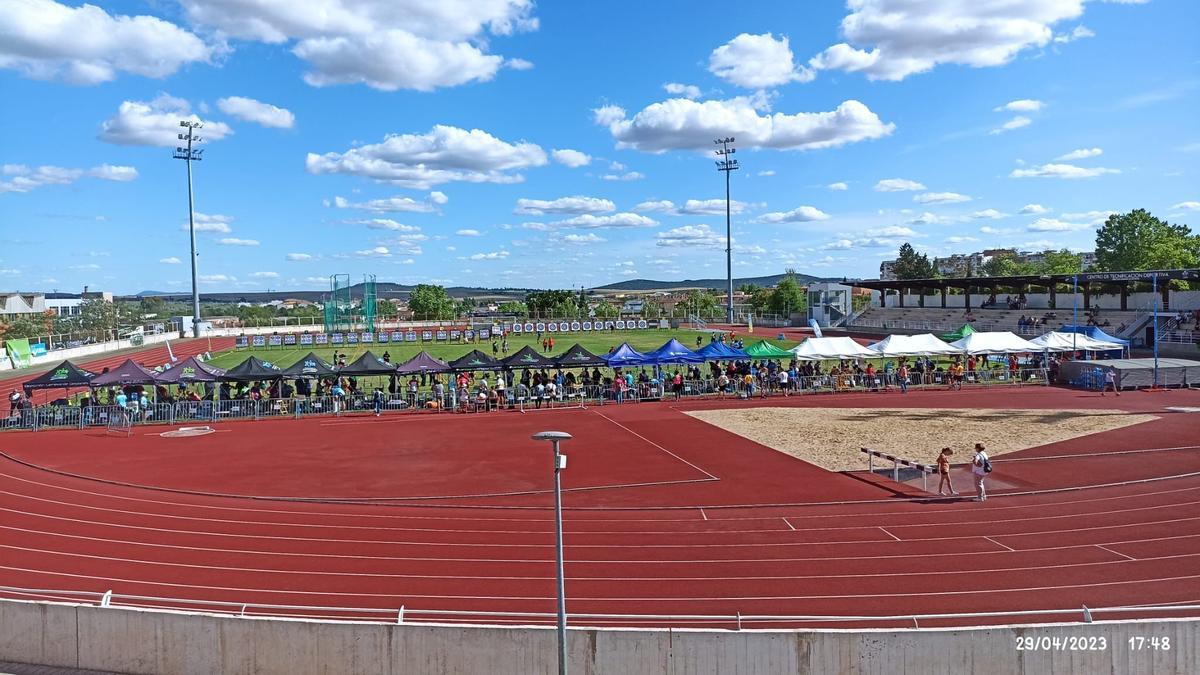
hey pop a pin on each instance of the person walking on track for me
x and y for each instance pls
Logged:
(1110, 382)
(943, 466)
(981, 466)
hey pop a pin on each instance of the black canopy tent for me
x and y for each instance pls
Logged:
(310, 366)
(475, 360)
(190, 370)
(578, 357)
(65, 375)
(253, 369)
(422, 363)
(368, 364)
(526, 357)
(128, 373)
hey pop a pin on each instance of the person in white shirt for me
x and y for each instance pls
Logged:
(783, 381)
(979, 471)
(1110, 382)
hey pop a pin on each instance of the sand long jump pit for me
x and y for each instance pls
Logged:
(831, 438)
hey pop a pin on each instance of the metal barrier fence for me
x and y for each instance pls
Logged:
(737, 621)
(520, 397)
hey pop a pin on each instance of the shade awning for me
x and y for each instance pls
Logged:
(368, 364)
(310, 366)
(252, 369)
(827, 348)
(765, 350)
(190, 370)
(625, 356)
(64, 375)
(1000, 342)
(128, 373)
(422, 363)
(475, 360)
(719, 351)
(673, 351)
(1055, 341)
(578, 357)
(926, 344)
(527, 357)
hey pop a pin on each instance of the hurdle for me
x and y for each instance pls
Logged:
(120, 422)
(897, 462)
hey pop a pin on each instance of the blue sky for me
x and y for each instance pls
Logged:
(507, 143)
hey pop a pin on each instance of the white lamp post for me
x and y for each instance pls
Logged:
(560, 463)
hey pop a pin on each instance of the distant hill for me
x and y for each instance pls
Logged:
(652, 285)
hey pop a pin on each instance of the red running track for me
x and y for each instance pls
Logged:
(664, 515)
(150, 357)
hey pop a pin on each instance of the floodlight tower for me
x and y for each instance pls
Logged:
(727, 165)
(189, 155)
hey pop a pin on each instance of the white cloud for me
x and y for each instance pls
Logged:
(767, 173)
(1077, 33)
(444, 154)
(1021, 105)
(800, 214)
(215, 278)
(656, 206)
(1082, 153)
(515, 64)
(572, 205)
(840, 186)
(1187, 206)
(384, 224)
(892, 39)
(469, 233)
(989, 213)
(928, 218)
(1056, 225)
(1015, 123)
(376, 252)
(47, 40)
(210, 223)
(684, 90)
(171, 261)
(680, 124)
(697, 236)
(90, 267)
(250, 110)
(234, 241)
(589, 238)
(631, 175)
(298, 257)
(571, 158)
(394, 204)
(710, 207)
(1033, 209)
(898, 185)
(156, 123)
(987, 229)
(960, 240)
(265, 275)
(115, 173)
(893, 231)
(494, 255)
(1090, 217)
(1061, 171)
(756, 62)
(27, 179)
(589, 221)
(410, 44)
(940, 198)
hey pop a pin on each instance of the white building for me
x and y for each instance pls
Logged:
(16, 303)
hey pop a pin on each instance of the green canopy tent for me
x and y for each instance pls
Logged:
(959, 334)
(765, 350)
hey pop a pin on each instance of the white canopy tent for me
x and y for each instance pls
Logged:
(926, 344)
(1069, 342)
(1001, 342)
(826, 348)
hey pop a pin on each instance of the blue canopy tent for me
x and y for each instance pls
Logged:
(625, 357)
(1095, 333)
(672, 351)
(719, 351)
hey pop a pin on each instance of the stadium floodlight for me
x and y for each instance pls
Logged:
(560, 463)
(190, 155)
(726, 165)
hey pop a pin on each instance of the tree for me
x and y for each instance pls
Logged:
(604, 310)
(384, 309)
(1139, 241)
(26, 326)
(552, 303)
(430, 301)
(513, 307)
(912, 265)
(1006, 264)
(652, 309)
(1059, 262)
(788, 296)
(255, 315)
(702, 303)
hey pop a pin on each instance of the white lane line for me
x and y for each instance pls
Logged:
(576, 598)
(453, 577)
(382, 528)
(1007, 548)
(789, 524)
(577, 561)
(1098, 454)
(1118, 553)
(603, 416)
(890, 534)
(592, 546)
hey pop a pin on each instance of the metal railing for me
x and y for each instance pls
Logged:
(407, 615)
(522, 397)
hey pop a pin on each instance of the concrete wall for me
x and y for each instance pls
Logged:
(135, 641)
(1137, 301)
(60, 355)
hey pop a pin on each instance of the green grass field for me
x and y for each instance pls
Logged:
(597, 343)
